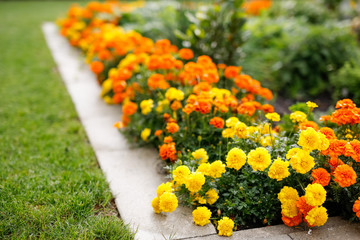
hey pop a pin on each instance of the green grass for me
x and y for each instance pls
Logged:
(51, 186)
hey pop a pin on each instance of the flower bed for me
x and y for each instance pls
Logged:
(227, 154)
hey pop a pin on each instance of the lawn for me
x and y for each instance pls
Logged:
(51, 186)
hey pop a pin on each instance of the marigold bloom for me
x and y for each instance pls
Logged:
(180, 174)
(200, 155)
(345, 103)
(217, 168)
(164, 187)
(309, 139)
(356, 207)
(155, 203)
(201, 216)
(303, 206)
(307, 124)
(225, 227)
(259, 159)
(311, 105)
(168, 202)
(345, 175)
(211, 196)
(204, 168)
(168, 151)
(288, 193)
(168, 139)
(317, 216)
(231, 71)
(231, 122)
(176, 105)
(267, 108)
(248, 108)
(174, 94)
(321, 176)
(195, 182)
(217, 122)
(146, 106)
(292, 222)
(228, 133)
(315, 194)
(328, 132)
(129, 108)
(355, 144)
(97, 67)
(279, 170)
(289, 209)
(158, 132)
(145, 134)
(273, 117)
(186, 53)
(236, 158)
(172, 127)
(298, 117)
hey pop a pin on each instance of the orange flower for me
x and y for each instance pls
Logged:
(345, 175)
(328, 132)
(129, 108)
(302, 206)
(306, 124)
(104, 54)
(189, 108)
(355, 144)
(168, 151)
(248, 108)
(172, 127)
(336, 148)
(291, 222)
(221, 66)
(166, 117)
(334, 163)
(321, 176)
(231, 71)
(356, 207)
(186, 54)
(158, 132)
(255, 6)
(97, 67)
(345, 103)
(203, 106)
(267, 108)
(266, 93)
(217, 122)
(176, 105)
(168, 139)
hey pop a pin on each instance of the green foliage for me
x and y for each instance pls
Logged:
(346, 82)
(216, 31)
(51, 186)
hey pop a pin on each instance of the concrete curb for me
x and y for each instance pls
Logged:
(132, 173)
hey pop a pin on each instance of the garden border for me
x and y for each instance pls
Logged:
(133, 174)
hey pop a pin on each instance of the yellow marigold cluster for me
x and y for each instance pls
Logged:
(200, 155)
(259, 159)
(311, 105)
(146, 106)
(164, 187)
(225, 227)
(216, 169)
(240, 129)
(145, 134)
(310, 139)
(288, 197)
(165, 201)
(228, 133)
(273, 117)
(195, 181)
(181, 174)
(231, 122)
(211, 196)
(279, 170)
(315, 194)
(204, 168)
(174, 94)
(300, 160)
(236, 158)
(201, 216)
(317, 216)
(298, 117)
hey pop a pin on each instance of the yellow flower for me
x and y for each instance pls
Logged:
(146, 106)
(204, 168)
(180, 174)
(174, 94)
(168, 202)
(252, 130)
(240, 130)
(231, 122)
(195, 182)
(292, 152)
(273, 117)
(201, 216)
(259, 159)
(279, 170)
(288, 193)
(311, 105)
(315, 194)
(236, 158)
(145, 134)
(228, 133)
(155, 203)
(289, 209)
(225, 227)
(199, 199)
(265, 141)
(309, 139)
(107, 85)
(108, 100)
(298, 117)
(302, 162)
(201, 155)
(324, 144)
(211, 196)
(216, 169)
(317, 216)
(163, 188)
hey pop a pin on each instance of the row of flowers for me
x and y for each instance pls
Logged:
(228, 154)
